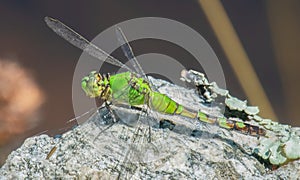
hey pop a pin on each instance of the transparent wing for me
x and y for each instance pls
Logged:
(77, 40)
(127, 50)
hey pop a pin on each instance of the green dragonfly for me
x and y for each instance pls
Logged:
(133, 88)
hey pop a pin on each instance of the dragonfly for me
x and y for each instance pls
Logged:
(133, 87)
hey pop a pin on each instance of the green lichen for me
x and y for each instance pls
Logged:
(281, 143)
(292, 148)
(252, 110)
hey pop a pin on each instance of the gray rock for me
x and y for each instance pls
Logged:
(184, 149)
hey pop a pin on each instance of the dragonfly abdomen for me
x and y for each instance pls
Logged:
(162, 103)
(223, 122)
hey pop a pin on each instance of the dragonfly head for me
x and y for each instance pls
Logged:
(93, 84)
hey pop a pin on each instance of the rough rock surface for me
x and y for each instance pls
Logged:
(174, 148)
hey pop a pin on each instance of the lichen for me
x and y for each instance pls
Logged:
(281, 143)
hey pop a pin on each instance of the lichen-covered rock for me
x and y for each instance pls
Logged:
(282, 142)
(277, 149)
(172, 147)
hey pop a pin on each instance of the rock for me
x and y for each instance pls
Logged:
(171, 147)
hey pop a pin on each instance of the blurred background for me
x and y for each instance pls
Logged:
(257, 43)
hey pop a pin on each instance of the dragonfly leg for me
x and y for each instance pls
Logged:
(107, 105)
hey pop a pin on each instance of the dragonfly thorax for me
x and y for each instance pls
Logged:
(96, 85)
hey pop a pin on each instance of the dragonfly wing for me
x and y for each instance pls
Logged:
(126, 48)
(77, 40)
